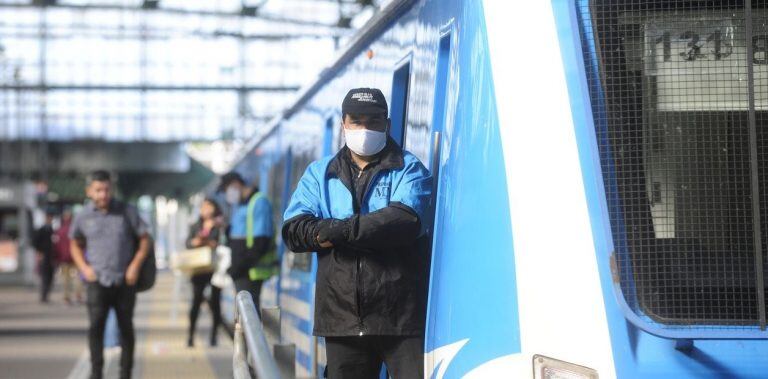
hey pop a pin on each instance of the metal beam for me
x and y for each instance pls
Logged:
(119, 34)
(85, 156)
(101, 87)
(176, 11)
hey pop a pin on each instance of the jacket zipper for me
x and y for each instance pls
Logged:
(358, 294)
(360, 326)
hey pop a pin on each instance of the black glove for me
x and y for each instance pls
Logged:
(333, 230)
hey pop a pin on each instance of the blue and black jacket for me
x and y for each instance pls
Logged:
(249, 252)
(374, 280)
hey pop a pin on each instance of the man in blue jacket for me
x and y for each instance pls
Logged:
(250, 235)
(363, 212)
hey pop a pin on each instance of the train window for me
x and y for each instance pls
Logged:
(399, 98)
(680, 104)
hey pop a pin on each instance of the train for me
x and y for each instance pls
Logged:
(599, 203)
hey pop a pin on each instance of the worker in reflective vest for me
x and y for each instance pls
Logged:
(250, 235)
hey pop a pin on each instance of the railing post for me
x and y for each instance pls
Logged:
(270, 320)
(250, 344)
(239, 362)
(285, 355)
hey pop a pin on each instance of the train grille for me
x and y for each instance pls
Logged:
(679, 92)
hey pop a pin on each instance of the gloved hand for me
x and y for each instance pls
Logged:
(333, 230)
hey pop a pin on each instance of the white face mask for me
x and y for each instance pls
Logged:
(365, 142)
(232, 195)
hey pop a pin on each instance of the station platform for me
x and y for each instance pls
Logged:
(46, 341)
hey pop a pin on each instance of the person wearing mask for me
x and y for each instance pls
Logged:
(72, 283)
(46, 264)
(363, 211)
(250, 235)
(205, 232)
(109, 229)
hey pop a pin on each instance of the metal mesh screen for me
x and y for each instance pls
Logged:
(680, 102)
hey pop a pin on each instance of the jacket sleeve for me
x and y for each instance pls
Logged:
(37, 239)
(414, 191)
(391, 226)
(398, 224)
(404, 220)
(300, 233)
(302, 216)
(191, 235)
(243, 259)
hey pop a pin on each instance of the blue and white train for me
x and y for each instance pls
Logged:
(600, 165)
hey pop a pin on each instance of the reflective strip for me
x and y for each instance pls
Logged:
(261, 273)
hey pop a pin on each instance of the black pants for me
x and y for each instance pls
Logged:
(100, 299)
(199, 282)
(361, 357)
(253, 287)
(46, 269)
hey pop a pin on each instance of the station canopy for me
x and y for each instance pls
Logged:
(161, 71)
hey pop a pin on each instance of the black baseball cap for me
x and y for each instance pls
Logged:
(367, 101)
(228, 179)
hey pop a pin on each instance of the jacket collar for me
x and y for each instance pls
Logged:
(390, 158)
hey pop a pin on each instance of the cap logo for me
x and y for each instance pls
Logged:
(364, 96)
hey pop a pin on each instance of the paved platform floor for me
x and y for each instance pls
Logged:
(48, 341)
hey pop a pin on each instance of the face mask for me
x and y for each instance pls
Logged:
(365, 142)
(232, 195)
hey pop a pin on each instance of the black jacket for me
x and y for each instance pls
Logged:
(374, 280)
(43, 242)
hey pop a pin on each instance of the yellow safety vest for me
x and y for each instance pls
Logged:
(267, 266)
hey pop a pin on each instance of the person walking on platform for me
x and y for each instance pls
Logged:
(46, 264)
(250, 236)
(205, 232)
(363, 211)
(109, 230)
(69, 275)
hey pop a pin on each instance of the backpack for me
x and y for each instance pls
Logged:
(148, 270)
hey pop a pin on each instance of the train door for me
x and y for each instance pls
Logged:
(297, 281)
(442, 76)
(272, 173)
(331, 143)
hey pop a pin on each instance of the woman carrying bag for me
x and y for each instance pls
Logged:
(205, 232)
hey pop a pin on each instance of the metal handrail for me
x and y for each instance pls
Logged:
(251, 349)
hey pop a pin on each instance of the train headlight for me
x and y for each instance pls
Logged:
(550, 368)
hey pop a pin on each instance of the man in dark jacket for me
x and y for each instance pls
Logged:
(363, 212)
(43, 243)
